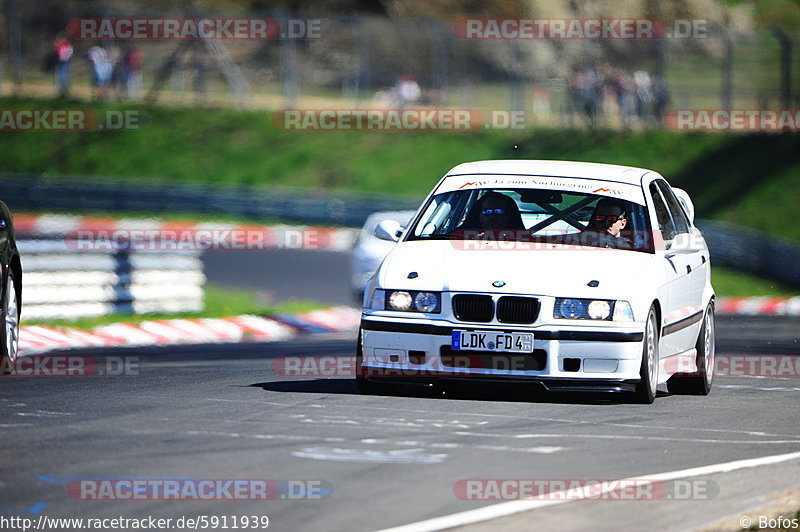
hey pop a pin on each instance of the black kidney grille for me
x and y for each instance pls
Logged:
(468, 307)
(517, 309)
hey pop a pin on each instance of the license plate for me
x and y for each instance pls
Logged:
(492, 341)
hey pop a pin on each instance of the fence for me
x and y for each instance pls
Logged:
(257, 203)
(727, 60)
(61, 281)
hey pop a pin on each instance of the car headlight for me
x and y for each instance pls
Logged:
(426, 302)
(407, 301)
(592, 309)
(399, 300)
(599, 309)
(378, 300)
(623, 311)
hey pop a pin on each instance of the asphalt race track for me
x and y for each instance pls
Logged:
(282, 275)
(373, 462)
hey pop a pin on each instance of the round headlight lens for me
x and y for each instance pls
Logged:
(599, 310)
(400, 300)
(571, 308)
(426, 302)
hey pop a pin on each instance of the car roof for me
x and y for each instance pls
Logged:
(581, 170)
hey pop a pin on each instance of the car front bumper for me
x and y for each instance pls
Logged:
(567, 359)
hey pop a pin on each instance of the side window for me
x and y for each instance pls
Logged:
(426, 225)
(665, 223)
(443, 214)
(681, 222)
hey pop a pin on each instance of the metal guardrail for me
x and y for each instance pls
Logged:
(748, 250)
(731, 246)
(60, 281)
(23, 192)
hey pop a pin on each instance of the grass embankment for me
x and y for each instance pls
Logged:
(731, 283)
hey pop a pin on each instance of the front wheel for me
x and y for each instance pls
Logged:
(9, 344)
(648, 372)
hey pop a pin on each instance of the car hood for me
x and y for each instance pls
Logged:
(443, 265)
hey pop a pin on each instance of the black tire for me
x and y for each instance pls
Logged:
(699, 383)
(648, 371)
(9, 332)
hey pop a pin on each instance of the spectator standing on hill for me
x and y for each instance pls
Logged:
(132, 67)
(644, 93)
(117, 83)
(621, 85)
(586, 85)
(408, 91)
(63, 53)
(660, 98)
(102, 68)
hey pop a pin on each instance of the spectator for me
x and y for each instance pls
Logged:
(102, 69)
(621, 85)
(644, 93)
(132, 66)
(63, 51)
(541, 103)
(117, 83)
(660, 98)
(408, 91)
(586, 85)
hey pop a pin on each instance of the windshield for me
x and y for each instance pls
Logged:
(536, 215)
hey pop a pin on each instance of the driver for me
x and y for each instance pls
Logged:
(609, 220)
(494, 212)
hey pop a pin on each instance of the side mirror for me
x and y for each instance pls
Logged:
(686, 202)
(390, 230)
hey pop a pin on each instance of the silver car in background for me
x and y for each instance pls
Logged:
(370, 250)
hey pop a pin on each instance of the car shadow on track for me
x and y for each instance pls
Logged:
(472, 392)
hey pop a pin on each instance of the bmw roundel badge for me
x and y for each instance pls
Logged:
(499, 284)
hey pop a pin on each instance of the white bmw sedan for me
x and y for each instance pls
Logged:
(573, 276)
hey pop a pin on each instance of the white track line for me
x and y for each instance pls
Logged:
(512, 507)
